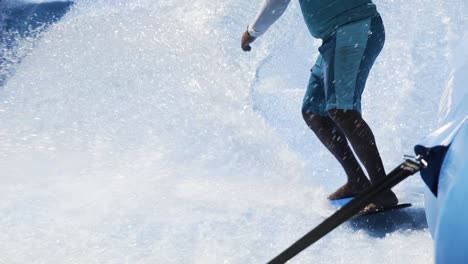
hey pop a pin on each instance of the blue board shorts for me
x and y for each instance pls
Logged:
(338, 77)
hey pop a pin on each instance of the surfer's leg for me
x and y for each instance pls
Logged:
(317, 119)
(335, 141)
(349, 58)
(362, 140)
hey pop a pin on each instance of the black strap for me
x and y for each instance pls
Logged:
(403, 171)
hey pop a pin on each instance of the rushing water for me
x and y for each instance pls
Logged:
(138, 132)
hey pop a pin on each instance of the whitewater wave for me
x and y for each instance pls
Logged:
(137, 131)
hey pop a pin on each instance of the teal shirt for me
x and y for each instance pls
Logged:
(323, 17)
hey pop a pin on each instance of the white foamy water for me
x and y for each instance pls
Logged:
(139, 132)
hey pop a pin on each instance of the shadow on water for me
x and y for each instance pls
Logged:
(378, 225)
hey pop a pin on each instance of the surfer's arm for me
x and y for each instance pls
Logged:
(270, 12)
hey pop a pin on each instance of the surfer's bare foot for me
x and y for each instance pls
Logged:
(387, 200)
(349, 190)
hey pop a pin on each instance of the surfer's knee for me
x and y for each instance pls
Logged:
(312, 119)
(342, 116)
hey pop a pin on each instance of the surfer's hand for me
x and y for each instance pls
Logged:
(246, 41)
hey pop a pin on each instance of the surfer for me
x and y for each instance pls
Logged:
(353, 35)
